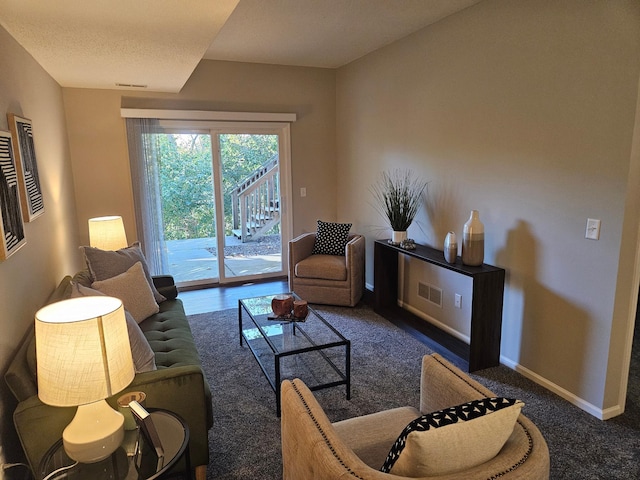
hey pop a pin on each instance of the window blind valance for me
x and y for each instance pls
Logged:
(161, 114)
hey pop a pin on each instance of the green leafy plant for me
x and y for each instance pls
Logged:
(398, 196)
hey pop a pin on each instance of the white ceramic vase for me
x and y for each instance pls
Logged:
(399, 237)
(450, 247)
(473, 241)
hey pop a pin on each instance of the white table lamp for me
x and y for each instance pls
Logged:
(107, 233)
(84, 356)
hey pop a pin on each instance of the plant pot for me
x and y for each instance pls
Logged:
(398, 237)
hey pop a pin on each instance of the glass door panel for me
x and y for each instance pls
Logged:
(188, 207)
(249, 169)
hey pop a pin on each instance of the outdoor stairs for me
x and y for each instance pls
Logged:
(256, 202)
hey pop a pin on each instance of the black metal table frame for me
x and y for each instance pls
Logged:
(275, 383)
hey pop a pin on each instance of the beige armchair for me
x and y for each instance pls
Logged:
(315, 448)
(327, 279)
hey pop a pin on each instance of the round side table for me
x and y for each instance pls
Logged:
(135, 459)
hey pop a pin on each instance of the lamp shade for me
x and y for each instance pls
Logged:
(84, 356)
(82, 350)
(107, 233)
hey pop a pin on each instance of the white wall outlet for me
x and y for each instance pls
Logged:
(458, 300)
(303, 191)
(593, 229)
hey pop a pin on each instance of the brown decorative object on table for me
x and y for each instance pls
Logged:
(282, 305)
(300, 309)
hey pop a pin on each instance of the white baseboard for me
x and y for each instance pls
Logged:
(558, 390)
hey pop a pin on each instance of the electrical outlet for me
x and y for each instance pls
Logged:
(458, 301)
(303, 191)
(593, 229)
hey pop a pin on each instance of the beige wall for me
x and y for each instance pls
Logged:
(524, 111)
(29, 276)
(98, 137)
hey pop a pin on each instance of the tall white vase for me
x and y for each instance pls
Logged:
(473, 241)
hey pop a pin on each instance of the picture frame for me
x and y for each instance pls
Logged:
(11, 220)
(145, 422)
(30, 188)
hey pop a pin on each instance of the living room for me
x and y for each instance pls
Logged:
(526, 112)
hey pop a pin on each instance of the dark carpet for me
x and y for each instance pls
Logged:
(245, 439)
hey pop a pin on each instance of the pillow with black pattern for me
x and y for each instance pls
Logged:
(331, 238)
(454, 439)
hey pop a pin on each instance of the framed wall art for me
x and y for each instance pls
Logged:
(10, 209)
(27, 167)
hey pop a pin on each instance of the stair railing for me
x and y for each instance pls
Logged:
(257, 203)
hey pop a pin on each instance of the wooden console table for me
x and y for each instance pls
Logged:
(483, 350)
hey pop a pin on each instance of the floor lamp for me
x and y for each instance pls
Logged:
(83, 356)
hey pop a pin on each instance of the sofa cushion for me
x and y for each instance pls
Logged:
(144, 359)
(83, 277)
(132, 288)
(326, 267)
(331, 238)
(453, 439)
(104, 264)
(21, 376)
(170, 336)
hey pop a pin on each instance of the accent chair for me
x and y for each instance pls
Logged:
(327, 279)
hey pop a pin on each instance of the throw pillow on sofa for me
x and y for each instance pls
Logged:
(104, 264)
(132, 288)
(144, 359)
(453, 439)
(331, 238)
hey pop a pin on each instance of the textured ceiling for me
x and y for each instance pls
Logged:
(322, 33)
(102, 43)
(156, 44)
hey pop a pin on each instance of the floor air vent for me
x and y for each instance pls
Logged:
(430, 293)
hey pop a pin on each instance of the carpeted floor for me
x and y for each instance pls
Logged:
(245, 439)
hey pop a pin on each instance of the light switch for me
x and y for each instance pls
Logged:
(593, 229)
(303, 192)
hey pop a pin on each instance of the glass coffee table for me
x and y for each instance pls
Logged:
(310, 350)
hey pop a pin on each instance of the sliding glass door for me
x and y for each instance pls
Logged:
(225, 193)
